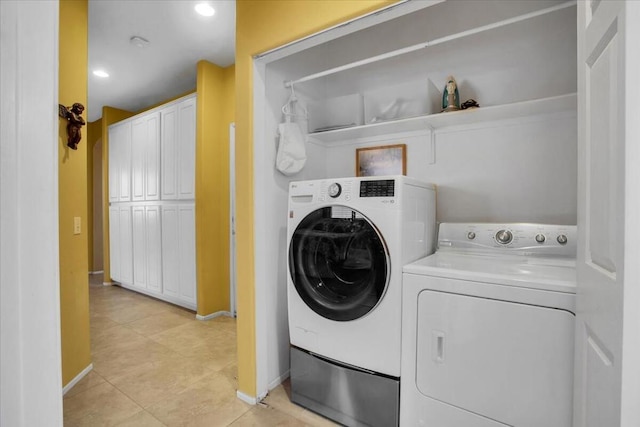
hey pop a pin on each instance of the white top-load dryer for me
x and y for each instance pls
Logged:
(488, 327)
(348, 239)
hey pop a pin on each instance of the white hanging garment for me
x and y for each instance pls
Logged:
(291, 155)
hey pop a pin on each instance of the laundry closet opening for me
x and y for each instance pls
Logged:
(379, 81)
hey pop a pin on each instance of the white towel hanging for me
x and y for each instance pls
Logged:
(292, 154)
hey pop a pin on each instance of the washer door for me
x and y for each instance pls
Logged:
(339, 263)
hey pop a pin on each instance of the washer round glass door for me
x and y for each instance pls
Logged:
(338, 263)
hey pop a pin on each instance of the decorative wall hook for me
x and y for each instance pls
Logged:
(73, 116)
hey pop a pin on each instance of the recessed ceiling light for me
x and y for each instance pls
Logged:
(204, 9)
(100, 73)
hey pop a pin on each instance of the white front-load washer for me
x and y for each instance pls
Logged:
(488, 327)
(348, 240)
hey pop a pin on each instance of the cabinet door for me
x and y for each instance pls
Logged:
(124, 162)
(186, 149)
(138, 148)
(153, 243)
(169, 153)
(114, 162)
(126, 246)
(152, 158)
(114, 242)
(187, 252)
(170, 251)
(139, 247)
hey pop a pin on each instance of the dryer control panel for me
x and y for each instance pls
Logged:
(517, 238)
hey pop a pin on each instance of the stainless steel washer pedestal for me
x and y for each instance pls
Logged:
(345, 394)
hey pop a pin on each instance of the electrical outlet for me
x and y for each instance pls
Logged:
(77, 225)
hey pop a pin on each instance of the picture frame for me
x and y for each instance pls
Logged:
(381, 160)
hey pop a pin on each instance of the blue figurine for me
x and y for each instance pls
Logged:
(450, 96)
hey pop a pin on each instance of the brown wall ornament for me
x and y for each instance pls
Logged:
(73, 116)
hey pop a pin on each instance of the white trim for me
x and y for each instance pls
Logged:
(261, 170)
(30, 349)
(246, 398)
(77, 379)
(232, 217)
(108, 283)
(96, 272)
(276, 382)
(214, 315)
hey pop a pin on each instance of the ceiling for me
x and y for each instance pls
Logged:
(166, 67)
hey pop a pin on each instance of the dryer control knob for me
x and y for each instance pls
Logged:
(334, 190)
(540, 238)
(562, 239)
(504, 237)
(471, 235)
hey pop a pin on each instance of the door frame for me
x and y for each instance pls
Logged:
(30, 346)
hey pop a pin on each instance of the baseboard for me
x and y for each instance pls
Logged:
(96, 272)
(246, 398)
(77, 379)
(214, 315)
(108, 283)
(275, 383)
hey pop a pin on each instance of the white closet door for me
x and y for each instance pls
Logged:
(126, 246)
(152, 158)
(169, 153)
(186, 148)
(138, 148)
(114, 242)
(139, 247)
(607, 373)
(170, 251)
(153, 243)
(187, 252)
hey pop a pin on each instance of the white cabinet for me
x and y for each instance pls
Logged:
(147, 253)
(169, 151)
(186, 149)
(179, 252)
(152, 176)
(145, 157)
(178, 140)
(120, 162)
(120, 241)
(114, 242)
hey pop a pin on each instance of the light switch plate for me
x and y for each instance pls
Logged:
(77, 225)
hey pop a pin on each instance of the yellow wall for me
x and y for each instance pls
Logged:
(109, 116)
(214, 113)
(262, 25)
(74, 289)
(94, 133)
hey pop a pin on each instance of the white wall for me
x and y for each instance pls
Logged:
(505, 171)
(30, 361)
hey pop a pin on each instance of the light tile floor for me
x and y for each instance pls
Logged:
(154, 364)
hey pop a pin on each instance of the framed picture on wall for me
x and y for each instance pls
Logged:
(382, 160)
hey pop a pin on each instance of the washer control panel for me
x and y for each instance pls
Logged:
(519, 238)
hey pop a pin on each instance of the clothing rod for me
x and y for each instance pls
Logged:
(423, 45)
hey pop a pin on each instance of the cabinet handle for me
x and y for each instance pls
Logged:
(438, 346)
